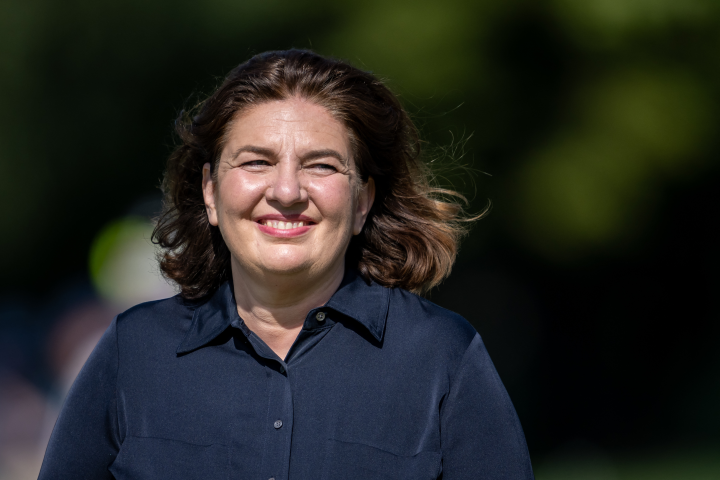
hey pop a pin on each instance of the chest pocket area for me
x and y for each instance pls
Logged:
(363, 462)
(160, 459)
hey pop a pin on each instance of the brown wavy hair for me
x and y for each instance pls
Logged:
(410, 238)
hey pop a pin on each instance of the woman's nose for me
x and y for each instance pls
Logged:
(286, 187)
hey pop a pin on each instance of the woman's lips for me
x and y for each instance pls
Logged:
(284, 228)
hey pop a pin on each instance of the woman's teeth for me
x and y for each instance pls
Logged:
(282, 225)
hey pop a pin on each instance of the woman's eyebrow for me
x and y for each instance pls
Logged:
(328, 152)
(311, 155)
(265, 152)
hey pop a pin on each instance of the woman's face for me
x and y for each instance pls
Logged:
(287, 198)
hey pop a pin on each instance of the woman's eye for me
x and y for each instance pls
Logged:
(322, 167)
(256, 163)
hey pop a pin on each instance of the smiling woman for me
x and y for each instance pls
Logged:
(299, 224)
(411, 236)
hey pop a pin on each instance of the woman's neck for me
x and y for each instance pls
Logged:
(274, 307)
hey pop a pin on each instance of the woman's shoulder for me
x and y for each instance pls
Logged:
(420, 319)
(169, 317)
(157, 309)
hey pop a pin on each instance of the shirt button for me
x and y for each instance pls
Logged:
(271, 478)
(320, 316)
(277, 424)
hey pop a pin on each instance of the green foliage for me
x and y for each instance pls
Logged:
(586, 111)
(701, 464)
(593, 185)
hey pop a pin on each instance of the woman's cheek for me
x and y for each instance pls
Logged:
(332, 195)
(243, 193)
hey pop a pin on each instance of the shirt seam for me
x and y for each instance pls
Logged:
(462, 362)
(187, 334)
(517, 429)
(451, 384)
(180, 441)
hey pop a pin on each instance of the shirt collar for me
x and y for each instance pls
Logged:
(367, 304)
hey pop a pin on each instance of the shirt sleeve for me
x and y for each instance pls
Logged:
(480, 432)
(85, 439)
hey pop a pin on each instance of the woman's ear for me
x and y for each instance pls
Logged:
(208, 187)
(365, 199)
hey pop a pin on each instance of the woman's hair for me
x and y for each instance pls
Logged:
(410, 238)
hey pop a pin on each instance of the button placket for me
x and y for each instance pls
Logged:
(276, 454)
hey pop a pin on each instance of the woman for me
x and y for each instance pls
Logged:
(298, 221)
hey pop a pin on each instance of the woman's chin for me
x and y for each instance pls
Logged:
(287, 261)
(287, 268)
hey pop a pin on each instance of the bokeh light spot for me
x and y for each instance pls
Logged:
(123, 265)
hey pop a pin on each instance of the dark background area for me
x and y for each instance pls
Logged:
(593, 280)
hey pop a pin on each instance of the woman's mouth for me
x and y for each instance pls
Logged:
(280, 225)
(284, 228)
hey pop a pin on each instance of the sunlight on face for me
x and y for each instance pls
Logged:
(285, 198)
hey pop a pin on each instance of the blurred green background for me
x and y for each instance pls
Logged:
(593, 281)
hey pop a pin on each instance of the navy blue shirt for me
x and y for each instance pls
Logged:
(380, 384)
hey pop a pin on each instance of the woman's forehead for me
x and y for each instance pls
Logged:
(292, 123)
